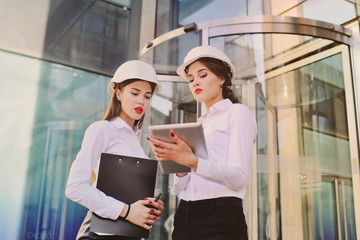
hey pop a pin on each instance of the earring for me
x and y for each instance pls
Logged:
(221, 86)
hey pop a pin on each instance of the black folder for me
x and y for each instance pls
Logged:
(127, 179)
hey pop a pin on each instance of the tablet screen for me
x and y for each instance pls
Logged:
(191, 133)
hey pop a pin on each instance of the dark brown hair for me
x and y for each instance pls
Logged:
(220, 69)
(114, 108)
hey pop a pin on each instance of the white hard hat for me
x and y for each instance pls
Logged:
(133, 69)
(204, 51)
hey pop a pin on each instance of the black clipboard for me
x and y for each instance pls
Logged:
(127, 179)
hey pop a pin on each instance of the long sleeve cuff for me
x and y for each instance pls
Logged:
(203, 167)
(180, 183)
(115, 209)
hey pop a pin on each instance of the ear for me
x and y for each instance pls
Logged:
(222, 80)
(118, 93)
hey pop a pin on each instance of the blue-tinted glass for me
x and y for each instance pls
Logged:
(89, 34)
(174, 14)
(349, 209)
(48, 107)
(206, 10)
(170, 54)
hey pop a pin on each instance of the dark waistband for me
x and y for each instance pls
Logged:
(213, 202)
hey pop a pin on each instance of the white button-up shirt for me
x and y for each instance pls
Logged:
(115, 137)
(230, 131)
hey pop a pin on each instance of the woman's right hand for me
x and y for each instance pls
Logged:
(142, 215)
(177, 151)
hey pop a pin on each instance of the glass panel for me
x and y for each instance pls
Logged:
(90, 34)
(268, 177)
(322, 222)
(205, 10)
(181, 106)
(302, 132)
(165, 19)
(347, 206)
(348, 201)
(330, 13)
(170, 54)
(309, 107)
(175, 14)
(267, 52)
(84, 33)
(48, 107)
(315, 9)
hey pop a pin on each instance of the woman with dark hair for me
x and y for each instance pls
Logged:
(211, 194)
(118, 133)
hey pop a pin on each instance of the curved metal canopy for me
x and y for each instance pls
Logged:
(258, 24)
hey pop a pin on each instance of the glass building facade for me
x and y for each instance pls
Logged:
(296, 64)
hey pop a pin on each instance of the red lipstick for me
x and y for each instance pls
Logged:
(139, 110)
(198, 90)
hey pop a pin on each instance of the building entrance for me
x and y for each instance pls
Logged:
(295, 76)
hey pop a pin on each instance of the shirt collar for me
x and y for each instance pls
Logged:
(119, 123)
(219, 106)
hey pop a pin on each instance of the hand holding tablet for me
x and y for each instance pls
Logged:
(191, 133)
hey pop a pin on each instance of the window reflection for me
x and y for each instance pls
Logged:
(173, 104)
(170, 54)
(205, 10)
(302, 132)
(315, 10)
(311, 120)
(46, 119)
(87, 33)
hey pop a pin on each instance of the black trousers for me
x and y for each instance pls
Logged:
(210, 219)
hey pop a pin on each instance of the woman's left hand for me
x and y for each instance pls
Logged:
(144, 213)
(178, 151)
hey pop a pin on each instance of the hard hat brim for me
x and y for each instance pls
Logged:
(181, 69)
(111, 85)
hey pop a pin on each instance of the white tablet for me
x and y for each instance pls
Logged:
(191, 133)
